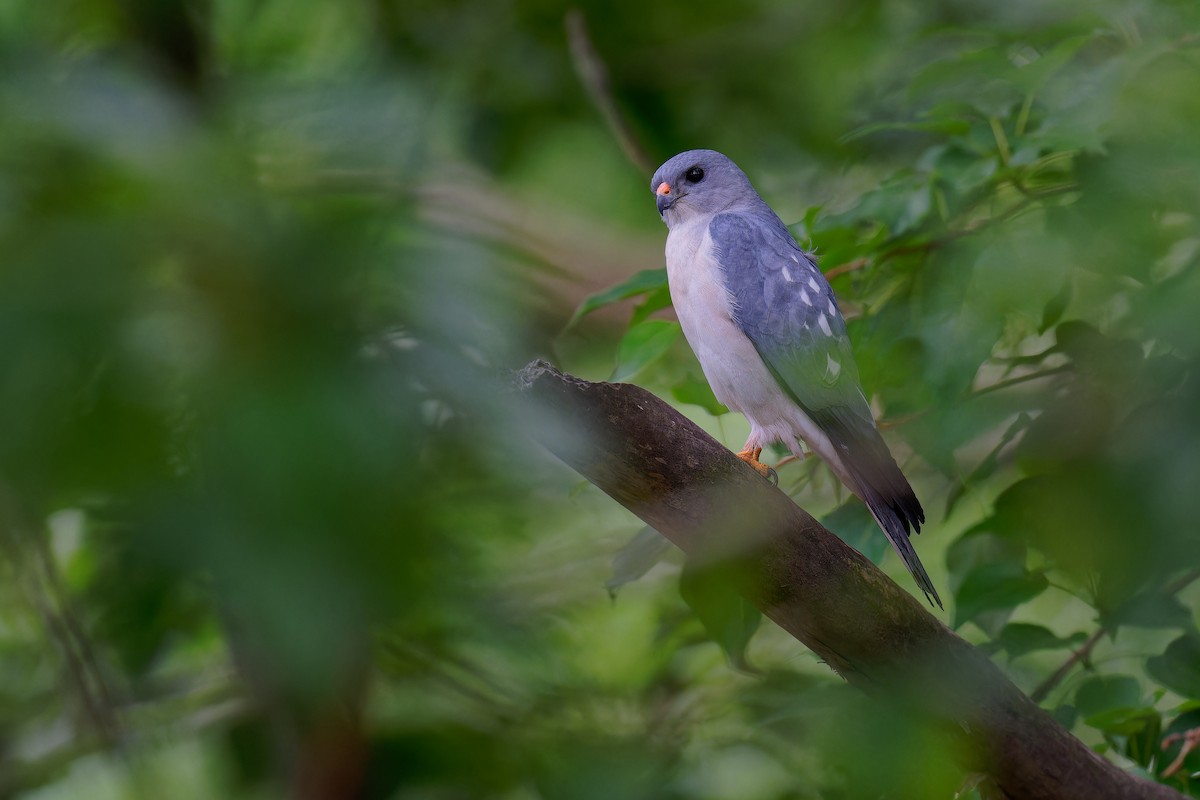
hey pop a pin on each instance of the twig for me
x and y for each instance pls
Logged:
(888, 423)
(849, 266)
(783, 462)
(1032, 376)
(50, 598)
(904, 249)
(594, 76)
(1190, 740)
(1028, 199)
(1043, 690)
(75, 632)
(1045, 687)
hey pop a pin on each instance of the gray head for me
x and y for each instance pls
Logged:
(701, 183)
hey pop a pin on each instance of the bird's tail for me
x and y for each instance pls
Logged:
(859, 456)
(895, 528)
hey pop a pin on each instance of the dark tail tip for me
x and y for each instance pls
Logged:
(897, 533)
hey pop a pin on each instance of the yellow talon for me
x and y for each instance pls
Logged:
(751, 458)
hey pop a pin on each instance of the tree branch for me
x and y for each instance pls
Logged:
(679, 480)
(594, 75)
(1081, 654)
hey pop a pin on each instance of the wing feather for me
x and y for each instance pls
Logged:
(787, 309)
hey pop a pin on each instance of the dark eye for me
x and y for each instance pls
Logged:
(694, 175)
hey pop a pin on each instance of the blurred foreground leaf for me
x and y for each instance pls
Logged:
(642, 345)
(995, 586)
(645, 550)
(1019, 638)
(711, 591)
(1179, 667)
(646, 282)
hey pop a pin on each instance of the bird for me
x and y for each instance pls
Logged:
(769, 335)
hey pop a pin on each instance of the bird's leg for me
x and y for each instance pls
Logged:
(750, 456)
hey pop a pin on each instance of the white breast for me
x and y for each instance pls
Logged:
(734, 369)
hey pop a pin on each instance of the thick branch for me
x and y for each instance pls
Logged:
(669, 472)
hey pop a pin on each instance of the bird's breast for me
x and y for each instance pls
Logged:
(734, 369)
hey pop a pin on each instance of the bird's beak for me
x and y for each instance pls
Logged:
(664, 197)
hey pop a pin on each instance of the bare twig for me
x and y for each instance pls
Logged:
(594, 75)
(783, 462)
(1019, 379)
(1029, 198)
(46, 592)
(1081, 654)
(849, 266)
(83, 683)
(75, 633)
(1190, 740)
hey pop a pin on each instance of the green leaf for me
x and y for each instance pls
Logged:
(1106, 692)
(643, 344)
(959, 170)
(855, 526)
(1150, 610)
(655, 301)
(838, 239)
(636, 558)
(1178, 668)
(971, 78)
(1055, 307)
(1065, 715)
(1186, 721)
(988, 465)
(1142, 746)
(979, 547)
(1034, 75)
(1124, 721)
(728, 618)
(1106, 359)
(900, 204)
(1134, 732)
(644, 282)
(944, 125)
(1002, 585)
(698, 393)
(1019, 638)
(803, 230)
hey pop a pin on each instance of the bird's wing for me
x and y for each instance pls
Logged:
(786, 308)
(784, 305)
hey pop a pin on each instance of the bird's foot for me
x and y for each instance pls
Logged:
(750, 456)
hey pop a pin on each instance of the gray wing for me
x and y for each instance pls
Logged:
(786, 308)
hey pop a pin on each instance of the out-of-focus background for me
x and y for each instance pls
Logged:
(271, 526)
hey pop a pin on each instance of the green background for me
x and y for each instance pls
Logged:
(273, 527)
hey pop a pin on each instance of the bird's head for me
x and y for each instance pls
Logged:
(699, 183)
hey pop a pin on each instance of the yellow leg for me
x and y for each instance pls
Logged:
(751, 458)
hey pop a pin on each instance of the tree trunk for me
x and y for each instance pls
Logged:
(666, 470)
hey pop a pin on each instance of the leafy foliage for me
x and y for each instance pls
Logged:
(1009, 289)
(270, 524)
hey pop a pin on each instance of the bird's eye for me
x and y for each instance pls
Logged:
(694, 175)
